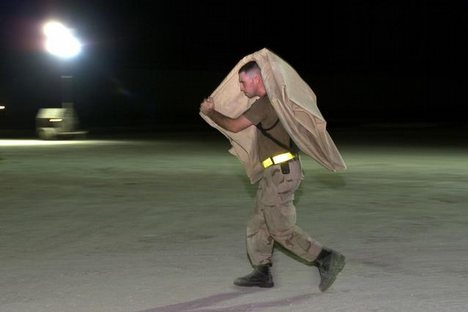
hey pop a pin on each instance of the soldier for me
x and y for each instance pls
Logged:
(274, 218)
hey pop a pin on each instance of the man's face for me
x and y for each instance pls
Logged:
(247, 84)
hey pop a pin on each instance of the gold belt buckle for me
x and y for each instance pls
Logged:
(278, 159)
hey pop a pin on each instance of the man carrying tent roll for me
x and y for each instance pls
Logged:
(269, 118)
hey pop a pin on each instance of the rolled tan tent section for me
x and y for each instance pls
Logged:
(296, 106)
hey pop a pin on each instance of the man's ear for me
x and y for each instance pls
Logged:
(257, 78)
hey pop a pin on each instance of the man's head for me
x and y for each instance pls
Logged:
(250, 80)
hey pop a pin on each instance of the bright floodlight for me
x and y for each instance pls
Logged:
(60, 40)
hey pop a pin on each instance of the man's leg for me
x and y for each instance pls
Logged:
(280, 213)
(280, 217)
(259, 248)
(259, 241)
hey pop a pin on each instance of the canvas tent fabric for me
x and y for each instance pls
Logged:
(296, 106)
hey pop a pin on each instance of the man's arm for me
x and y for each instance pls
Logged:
(234, 125)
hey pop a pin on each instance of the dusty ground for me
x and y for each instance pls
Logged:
(157, 225)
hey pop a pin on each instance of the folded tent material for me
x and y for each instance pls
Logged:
(296, 106)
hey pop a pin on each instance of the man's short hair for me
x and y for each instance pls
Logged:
(249, 67)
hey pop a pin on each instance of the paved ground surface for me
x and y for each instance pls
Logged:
(157, 224)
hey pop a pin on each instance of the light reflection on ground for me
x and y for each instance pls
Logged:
(30, 142)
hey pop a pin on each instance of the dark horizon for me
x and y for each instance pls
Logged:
(145, 64)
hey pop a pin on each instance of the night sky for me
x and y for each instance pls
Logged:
(148, 63)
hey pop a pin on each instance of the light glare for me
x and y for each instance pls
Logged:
(60, 40)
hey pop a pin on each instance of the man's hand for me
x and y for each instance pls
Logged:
(233, 125)
(207, 106)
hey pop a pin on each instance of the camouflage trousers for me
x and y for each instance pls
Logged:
(274, 217)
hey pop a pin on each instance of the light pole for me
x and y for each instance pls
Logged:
(62, 43)
(55, 122)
